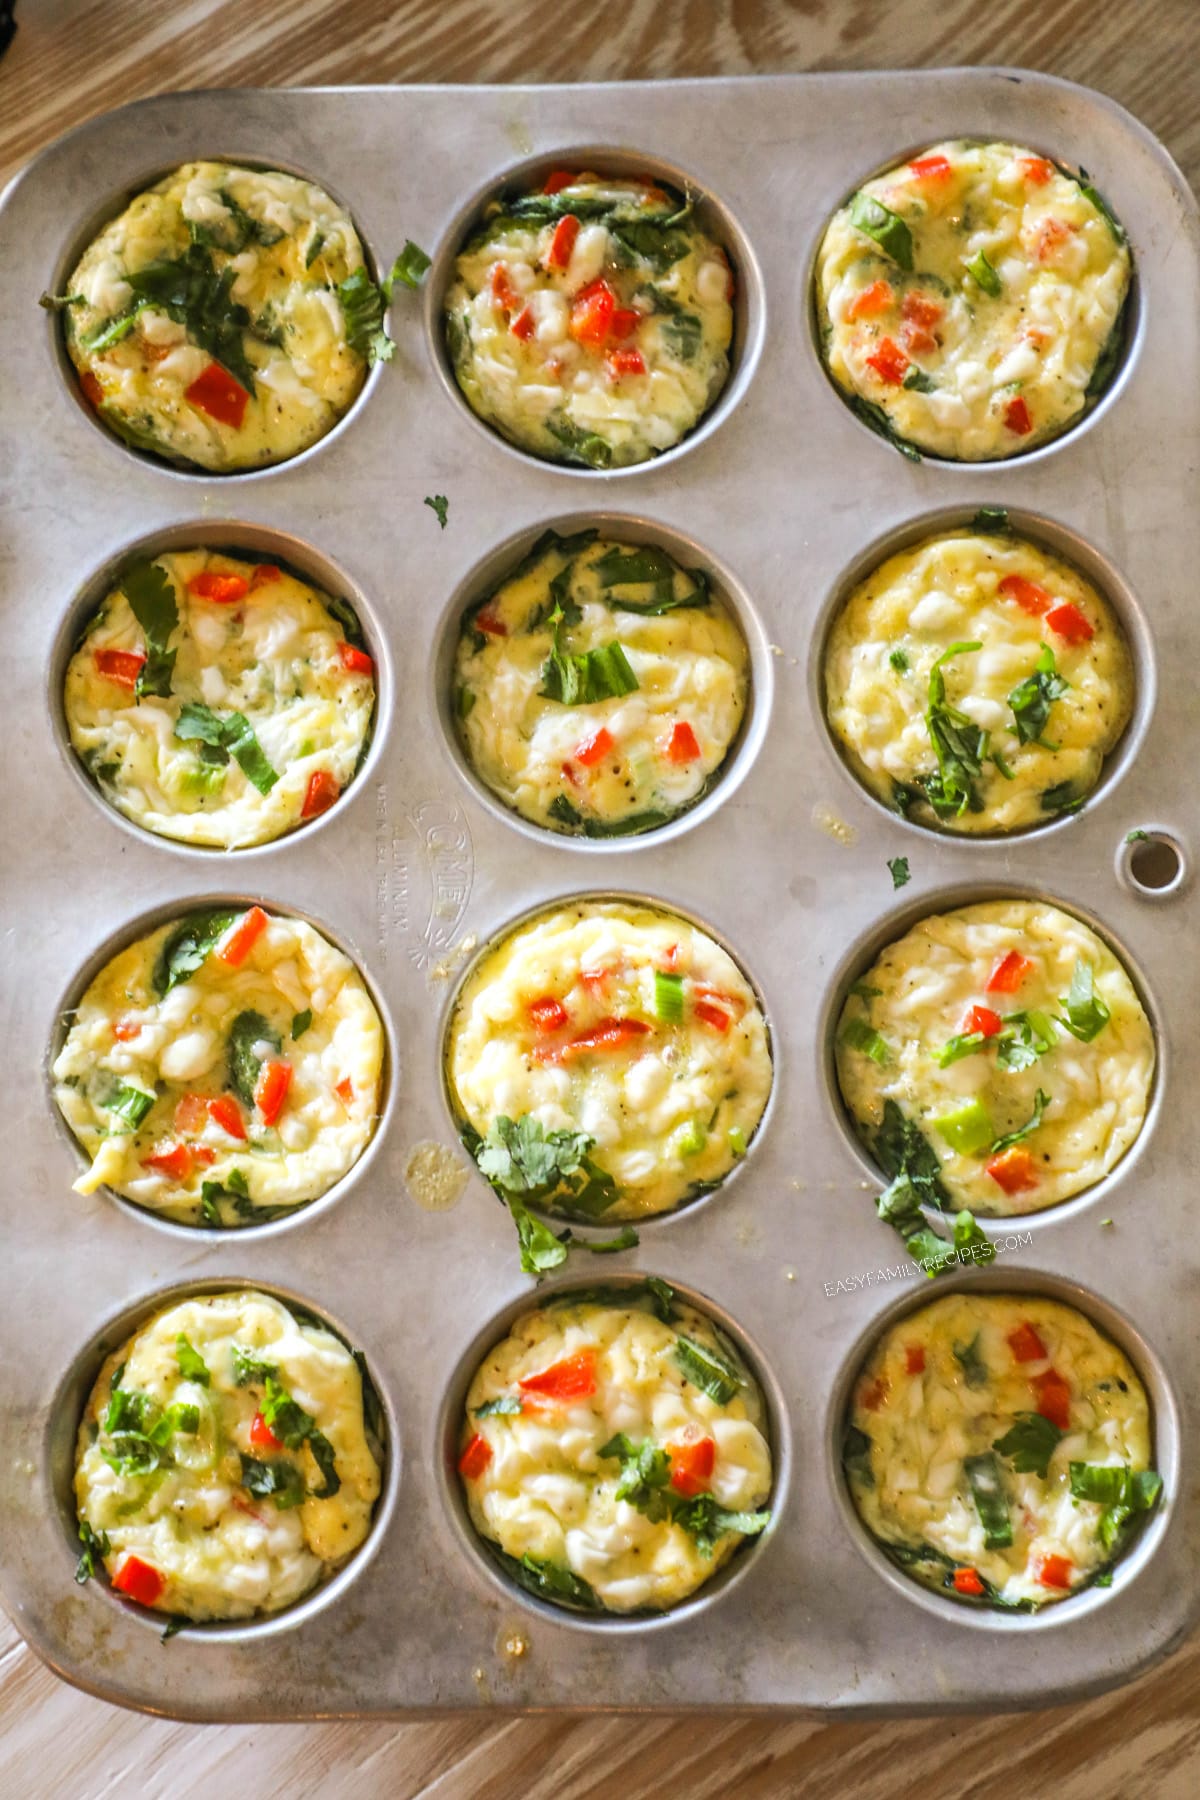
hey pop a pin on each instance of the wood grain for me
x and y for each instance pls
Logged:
(74, 58)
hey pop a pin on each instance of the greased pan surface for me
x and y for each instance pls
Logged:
(789, 495)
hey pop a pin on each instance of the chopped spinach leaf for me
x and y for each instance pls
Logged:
(300, 1023)
(129, 1104)
(958, 743)
(224, 736)
(884, 227)
(707, 1369)
(918, 381)
(548, 1580)
(587, 447)
(969, 1358)
(185, 948)
(192, 1365)
(683, 335)
(96, 1547)
(1029, 1443)
(991, 1502)
(506, 1405)
(876, 420)
(1087, 1014)
(991, 519)
(280, 1479)
(151, 596)
(858, 1035)
(191, 292)
(243, 1063)
(856, 1456)
(293, 1426)
(903, 1150)
(1040, 1102)
(362, 306)
(1062, 798)
(249, 1369)
(1032, 698)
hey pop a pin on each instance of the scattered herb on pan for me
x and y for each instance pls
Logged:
(410, 268)
(898, 867)
(440, 505)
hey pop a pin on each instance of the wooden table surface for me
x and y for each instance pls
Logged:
(74, 58)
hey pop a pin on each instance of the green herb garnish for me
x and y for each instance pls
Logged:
(898, 868)
(151, 596)
(363, 306)
(1030, 1443)
(192, 1365)
(410, 267)
(884, 227)
(984, 275)
(991, 1503)
(440, 505)
(185, 948)
(1040, 1102)
(707, 1369)
(243, 1063)
(1032, 699)
(1087, 1014)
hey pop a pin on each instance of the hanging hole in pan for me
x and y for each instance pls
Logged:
(1153, 862)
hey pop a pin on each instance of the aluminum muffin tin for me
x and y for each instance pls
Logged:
(786, 493)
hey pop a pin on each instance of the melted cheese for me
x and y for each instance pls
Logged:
(274, 656)
(691, 668)
(671, 1106)
(221, 1551)
(929, 981)
(918, 604)
(960, 371)
(528, 359)
(284, 246)
(547, 1493)
(926, 1409)
(176, 1047)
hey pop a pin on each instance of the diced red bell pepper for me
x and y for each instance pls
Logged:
(931, 168)
(871, 300)
(124, 1030)
(503, 292)
(226, 590)
(215, 392)
(547, 1014)
(984, 1020)
(1036, 170)
(272, 1090)
(914, 1359)
(1014, 1170)
(241, 938)
(93, 393)
(624, 322)
(345, 1090)
(921, 309)
(1070, 623)
(1008, 973)
(624, 362)
(1029, 595)
(475, 1458)
(320, 794)
(574, 1378)
(714, 1016)
(224, 1111)
(917, 339)
(121, 666)
(1017, 416)
(139, 1580)
(1053, 233)
(1055, 1571)
(558, 255)
(692, 1460)
(488, 621)
(871, 1397)
(595, 748)
(607, 1034)
(669, 959)
(966, 1581)
(523, 325)
(191, 1115)
(261, 1435)
(596, 980)
(1025, 1343)
(264, 573)
(592, 312)
(682, 746)
(177, 1162)
(354, 660)
(557, 179)
(889, 362)
(1053, 1398)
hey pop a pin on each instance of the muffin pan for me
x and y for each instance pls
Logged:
(786, 860)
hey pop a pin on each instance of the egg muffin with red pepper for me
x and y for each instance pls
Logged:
(589, 321)
(600, 687)
(224, 1070)
(615, 1452)
(218, 701)
(971, 301)
(977, 683)
(998, 1449)
(607, 1060)
(996, 1057)
(228, 1459)
(225, 319)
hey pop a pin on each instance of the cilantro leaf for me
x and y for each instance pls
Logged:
(151, 596)
(959, 744)
(705, 1521)
(191, 292)
(898, 865)
(410, 267)
(280, 1479)
(1032, 698)
(362, 305)
(645, 1472)
(1087, 1014)
(1029, 1443)
(520, 1157)
(440, 505)
(541, 1249)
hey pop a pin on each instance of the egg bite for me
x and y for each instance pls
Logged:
(590, 321)
(600, 687)
(228, 1459)
(976, 683)
(998, 1448)
(224, 1070)
(225, 319)
(614, 1452)
(218, 701)
(971, 301)
(1001, 1052)
(607, 1060)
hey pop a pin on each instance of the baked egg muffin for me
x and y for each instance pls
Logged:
(226, 318)
(977, 683)
(600, 687)
(217, 701)
(228, 1459)
(589, 321)
(1001, 1053)
(998, 1449)
(971, 301)
(607, 1060)
(615, 1452)
(224, 1070)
